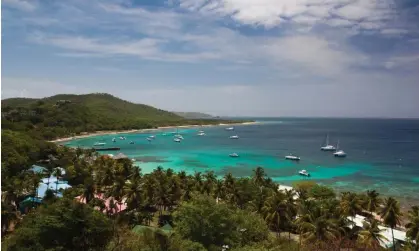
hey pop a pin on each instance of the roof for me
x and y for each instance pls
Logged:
(37, 169)
(167, 228)
(42, 188)
(385, 231)
(121, 207)
(29, 200)
(120, 156)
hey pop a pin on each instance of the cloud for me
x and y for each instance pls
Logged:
(20, 4)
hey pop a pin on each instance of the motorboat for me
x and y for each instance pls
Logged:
(234, 137)
(304, 173)
(152, 137)
(233, 155)
(114, 140)
(230, 129)
(122, 138)
(201, 134)
(327, 146)
(178, 140)
(292, 157)
(99, 144)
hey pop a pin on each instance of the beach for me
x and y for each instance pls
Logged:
(100, 133)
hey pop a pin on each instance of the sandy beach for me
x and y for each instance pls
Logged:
(98, 133)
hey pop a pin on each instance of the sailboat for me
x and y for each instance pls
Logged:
(327, 147)
(339, 153)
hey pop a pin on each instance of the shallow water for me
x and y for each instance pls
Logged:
(382, 153)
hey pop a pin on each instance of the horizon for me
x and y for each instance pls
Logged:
(303, 59)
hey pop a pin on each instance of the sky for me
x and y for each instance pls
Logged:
(315, 58)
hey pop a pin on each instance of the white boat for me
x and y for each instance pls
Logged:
(152, 137)
(230, 129)
(178, 136)
(292, 157)
(327, 146)
(304, 173)
(339, 153)
(200, 131)
(113, 140)
(201, 134)
(122, 138)
(149, 139)
(177, 140)
(131, 142)
(99, 144)
(233, 155)
(234, 137)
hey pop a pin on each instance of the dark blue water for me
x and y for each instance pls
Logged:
(383, 154)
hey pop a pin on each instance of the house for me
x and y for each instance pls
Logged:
(111, 205)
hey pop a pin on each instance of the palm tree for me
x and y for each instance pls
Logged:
(275, 211)
(317, 226)
(210, 179)
(413, 226)
(259, 176)
(370, 236)
(391, 215)
(117, 190)
(57, 173)
(373, 201)
(133, 193)
(350, 204)
(88, 190)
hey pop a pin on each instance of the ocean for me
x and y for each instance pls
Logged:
(382, 154)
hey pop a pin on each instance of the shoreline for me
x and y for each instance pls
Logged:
(99, 133)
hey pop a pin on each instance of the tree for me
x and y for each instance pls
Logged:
(133, 193)
(391, 215)
(350, 204)
(373, 201)
(276, 212)
(89, 190)
(370, 236)
(259, 176)
(412, 226)
(65, 225)
(204, 221)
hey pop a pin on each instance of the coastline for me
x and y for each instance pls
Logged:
(99, 133)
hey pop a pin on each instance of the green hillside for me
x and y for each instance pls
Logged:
(64, 115)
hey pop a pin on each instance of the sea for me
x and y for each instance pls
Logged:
(382, 154)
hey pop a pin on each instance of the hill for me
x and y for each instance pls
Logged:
(194, 115)
(65, 114)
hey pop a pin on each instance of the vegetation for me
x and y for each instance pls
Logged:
(64, 115)
(207, 213)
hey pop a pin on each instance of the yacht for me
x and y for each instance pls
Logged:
(234, 137)
(327, 146)
(178, 140)
(339, 153)
(122, 138)
(99, 144)
(152, 137)
(113, 140)
(304, 173)
(201, 134)
(230, 129)
(292, 157)
(178, 136)
(234, 155)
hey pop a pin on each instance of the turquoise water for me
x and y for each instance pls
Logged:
(382, 154)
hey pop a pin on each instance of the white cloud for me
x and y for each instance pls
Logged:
(394, 32)
(20, 4)
(272, 13)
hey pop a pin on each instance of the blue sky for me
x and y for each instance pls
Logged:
(337, 58)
